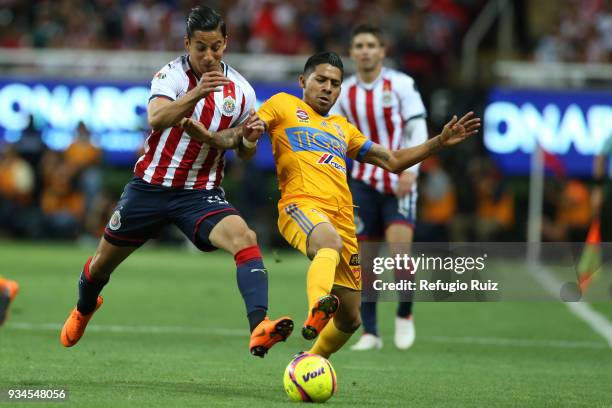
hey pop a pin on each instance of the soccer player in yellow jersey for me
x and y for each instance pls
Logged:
(310, 150)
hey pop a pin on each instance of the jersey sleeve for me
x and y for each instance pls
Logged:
(358, 144)
(249, 103)
(269, 112)
(166, 83)
(411, 103)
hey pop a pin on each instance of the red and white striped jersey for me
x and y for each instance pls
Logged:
(171, 157)
(380, 110)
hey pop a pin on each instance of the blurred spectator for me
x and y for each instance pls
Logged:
(495, 200)
(552, 230)
(602, 191)
(438, 203)
(16, 177)
(82, 159)
(63, 207)
(32, 148)
(16, 191)
(575, 211)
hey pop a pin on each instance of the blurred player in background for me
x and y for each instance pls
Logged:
(199, 106)
(310, 149)
(602, 193)
(385, 106)
(8, 291)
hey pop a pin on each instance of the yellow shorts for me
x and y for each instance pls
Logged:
(298, 217)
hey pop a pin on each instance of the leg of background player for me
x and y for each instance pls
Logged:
(343, 325)
(399, 238)
(369, 340)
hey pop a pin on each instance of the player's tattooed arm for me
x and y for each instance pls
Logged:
(163, 113)
(243, 138)
(224, 139)
(454, 132)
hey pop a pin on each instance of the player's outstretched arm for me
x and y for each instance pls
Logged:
(163, 113)
(396, 161)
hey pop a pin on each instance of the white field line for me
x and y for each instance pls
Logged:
(595, 320)
(489, 341)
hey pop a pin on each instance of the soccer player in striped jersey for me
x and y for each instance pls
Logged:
(199, 107)
(384, 104)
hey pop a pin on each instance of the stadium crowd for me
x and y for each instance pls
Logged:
(422, 35)
(48, 194)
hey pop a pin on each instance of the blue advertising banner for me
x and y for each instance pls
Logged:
(114, 112)
(569, 125)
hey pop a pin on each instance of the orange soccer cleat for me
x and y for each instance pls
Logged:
(322, 312)
(75, 325)
(268, 333)
(8, 291)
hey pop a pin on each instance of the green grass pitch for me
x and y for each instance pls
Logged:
(172, 332)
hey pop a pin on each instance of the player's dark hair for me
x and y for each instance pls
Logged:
(319, 58)
(368, 29)
(203, 18)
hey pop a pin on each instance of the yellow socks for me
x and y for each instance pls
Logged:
(321, 273)
(330, 340)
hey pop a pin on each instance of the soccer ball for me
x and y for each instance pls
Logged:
(310, 378)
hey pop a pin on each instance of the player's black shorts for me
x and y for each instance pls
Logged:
(144, 209)
(376, 211)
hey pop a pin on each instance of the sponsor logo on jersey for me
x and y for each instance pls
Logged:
(160, 75)
(387, 99)
(115, 221)
(302, 115)
(229, 106)
(327, 158)
(309, 139)
(356, 271)
(387, 95)
(354, 261)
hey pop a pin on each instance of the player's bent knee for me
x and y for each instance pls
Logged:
(245, 240)
(324, 235)
(332, 241)
(337, 244)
